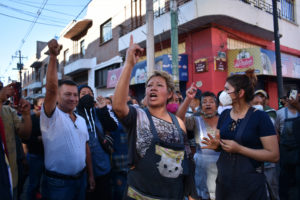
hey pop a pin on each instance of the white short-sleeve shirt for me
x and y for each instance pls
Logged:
(64, 142)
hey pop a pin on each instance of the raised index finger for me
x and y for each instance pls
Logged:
(131, 40)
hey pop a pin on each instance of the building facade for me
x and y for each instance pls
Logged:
(217, 38)
(222, 37)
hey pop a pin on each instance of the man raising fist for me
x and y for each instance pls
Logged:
(65, 138)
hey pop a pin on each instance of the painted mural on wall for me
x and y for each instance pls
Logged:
(263, 61)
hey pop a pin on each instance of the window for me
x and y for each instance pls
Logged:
(32, 75)
(24, 78)
(82, 48)
(101, 75)
(38, 74)
(237, 44)
(287, 10)
(159, 7)
(45, 69)
(136, 14)
(66, 56)
(105, 31)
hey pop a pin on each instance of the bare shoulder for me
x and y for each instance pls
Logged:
(181, 124)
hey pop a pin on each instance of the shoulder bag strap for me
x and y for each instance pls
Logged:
(175, 121)
(152, 127)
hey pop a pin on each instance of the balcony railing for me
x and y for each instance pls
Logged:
(137, 21)
(286, 11)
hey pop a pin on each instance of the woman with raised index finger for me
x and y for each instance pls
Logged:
(157, 155)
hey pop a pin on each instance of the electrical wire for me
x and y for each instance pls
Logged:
(28, 13)
(33, 23)
(51, 4)
(53, 11)
(83, 9)
(30, 20)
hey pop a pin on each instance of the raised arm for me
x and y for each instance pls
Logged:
(51, 78)
(190, 95)
(120, 106)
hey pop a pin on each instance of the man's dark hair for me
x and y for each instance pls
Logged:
(80, 87)
(1, 85)
(67, 82)
(108, 98)
(209, 94)
(36, 100)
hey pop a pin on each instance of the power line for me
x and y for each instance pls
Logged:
(33, 23)
(82, 9)
(53, 11)
(51, 4)
(30, 20)
(28, 13)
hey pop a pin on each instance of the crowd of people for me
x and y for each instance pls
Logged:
(71, 144)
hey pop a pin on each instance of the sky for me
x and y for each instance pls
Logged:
(19, 32)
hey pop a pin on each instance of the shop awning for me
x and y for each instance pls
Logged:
(79, 29)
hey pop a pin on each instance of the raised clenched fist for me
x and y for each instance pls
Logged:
(54, 47)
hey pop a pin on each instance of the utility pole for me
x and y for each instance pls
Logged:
(277, 51)
(20, 64)
(150, 36)
(174, 42)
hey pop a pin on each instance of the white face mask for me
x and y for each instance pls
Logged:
(258, 107)
(225, 99)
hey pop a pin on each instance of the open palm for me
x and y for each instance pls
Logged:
(211, 142)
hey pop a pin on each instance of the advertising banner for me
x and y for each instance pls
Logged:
(263, 61)
(113, 77)
(162, 63)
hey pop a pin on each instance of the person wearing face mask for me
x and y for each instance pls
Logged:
(270, 169)
(225, 103)
(99, 121)
(246, 138)
(173, 104)
(35, 151)
(206, 123)
(263, 95)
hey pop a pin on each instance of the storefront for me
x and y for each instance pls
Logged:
(217, 52)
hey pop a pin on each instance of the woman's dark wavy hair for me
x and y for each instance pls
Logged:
(246, 82)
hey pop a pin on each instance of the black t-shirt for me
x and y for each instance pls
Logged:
(259, 125)
(34, 143)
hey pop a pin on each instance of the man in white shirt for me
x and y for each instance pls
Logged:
(65, 138)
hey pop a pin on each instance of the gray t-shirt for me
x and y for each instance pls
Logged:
(281, 116)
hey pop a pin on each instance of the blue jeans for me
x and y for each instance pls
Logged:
(36, 167)
(64, 189)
